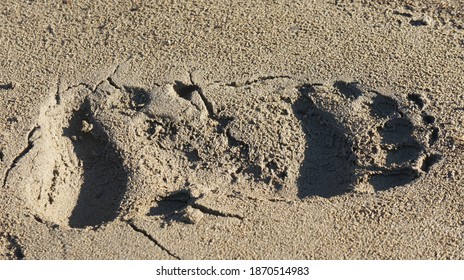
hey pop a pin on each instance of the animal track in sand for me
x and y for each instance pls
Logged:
(98, 154)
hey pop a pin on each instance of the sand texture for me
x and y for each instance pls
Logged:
(231, 130)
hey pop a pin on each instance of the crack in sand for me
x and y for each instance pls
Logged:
(186, 200)
(208, 104)
(152, 239)
(30, 145)
(264, 199)
(257, 80)
(110, 79)
(112, 83)
(39, 220)
(213, 212)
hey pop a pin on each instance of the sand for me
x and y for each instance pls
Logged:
(231, 130)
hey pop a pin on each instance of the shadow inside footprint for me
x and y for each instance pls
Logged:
(397, 131)
(329, 165)
(185, 91)
(170, 204)
(138, 98)
(403, 154)
(383, 182)
(349, 90)
(172, 207)
(104, 177)
(383, 106)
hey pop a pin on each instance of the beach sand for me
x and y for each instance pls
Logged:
(231, 130)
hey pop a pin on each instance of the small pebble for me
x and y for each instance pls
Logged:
(86, 127)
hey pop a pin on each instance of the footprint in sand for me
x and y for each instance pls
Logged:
(119, 151)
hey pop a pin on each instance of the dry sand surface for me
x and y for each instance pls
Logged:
(231, 129)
